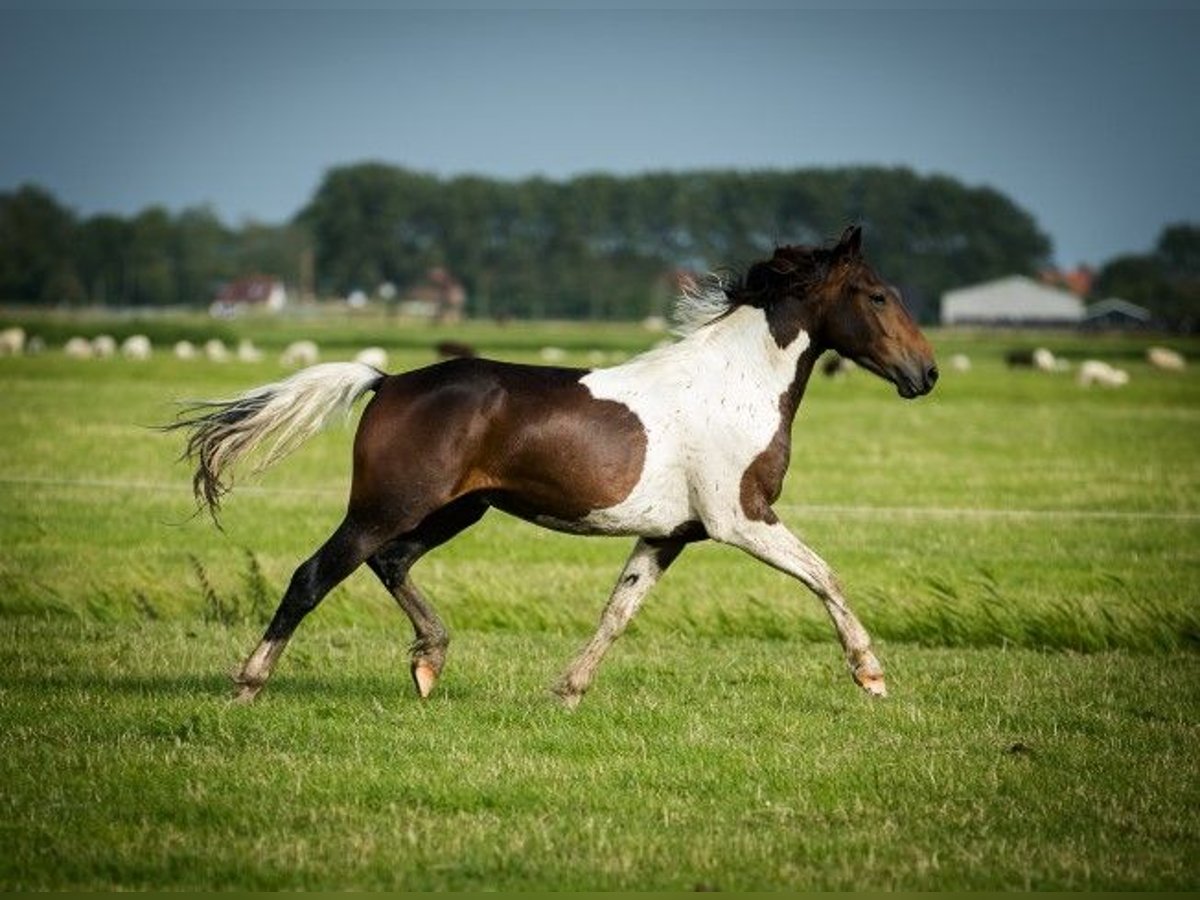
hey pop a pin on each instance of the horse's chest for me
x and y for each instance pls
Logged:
(701, 438)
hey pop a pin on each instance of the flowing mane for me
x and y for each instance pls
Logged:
(715, 295)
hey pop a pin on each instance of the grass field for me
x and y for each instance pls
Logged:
(1026, 553)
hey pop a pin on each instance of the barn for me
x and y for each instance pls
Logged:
(1012, 301)
(1115, 314)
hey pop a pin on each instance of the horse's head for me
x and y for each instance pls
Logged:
(837, 297)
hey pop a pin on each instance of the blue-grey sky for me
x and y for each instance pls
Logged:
(1088, 119)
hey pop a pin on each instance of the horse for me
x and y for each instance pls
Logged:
(686, 442)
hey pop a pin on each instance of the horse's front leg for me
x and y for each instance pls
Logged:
(646, 564)
(775, 545)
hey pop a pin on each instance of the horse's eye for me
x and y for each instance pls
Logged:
(879, 299)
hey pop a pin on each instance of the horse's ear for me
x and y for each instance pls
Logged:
(850, 244)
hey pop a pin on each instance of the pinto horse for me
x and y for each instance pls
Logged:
(684, 443)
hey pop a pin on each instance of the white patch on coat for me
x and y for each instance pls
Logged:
(709, 405)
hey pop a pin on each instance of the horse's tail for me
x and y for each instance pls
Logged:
(222, 432)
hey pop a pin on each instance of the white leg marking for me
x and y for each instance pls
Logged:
(641, 572)
(257, 668)
(775, 545)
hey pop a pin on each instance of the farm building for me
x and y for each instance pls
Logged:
(249, 292)
(1015, 300)
(1114, 314)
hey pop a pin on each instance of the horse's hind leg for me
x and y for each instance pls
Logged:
(391, 564)
(345, 550)
(646, 564)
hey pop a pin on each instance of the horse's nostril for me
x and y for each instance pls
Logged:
(931, 376)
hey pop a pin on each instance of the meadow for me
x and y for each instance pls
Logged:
(1026, 553)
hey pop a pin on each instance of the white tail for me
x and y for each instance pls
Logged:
(288, 412)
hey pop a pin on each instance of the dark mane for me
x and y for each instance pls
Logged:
(766, 280)
(791, 266)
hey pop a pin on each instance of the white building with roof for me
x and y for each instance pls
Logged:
(1015, 300)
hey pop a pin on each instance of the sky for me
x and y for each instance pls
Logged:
(1089, 120)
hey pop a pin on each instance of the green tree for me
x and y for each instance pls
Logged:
(1165, 281)
(36, 256)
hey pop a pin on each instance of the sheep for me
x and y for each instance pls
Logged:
(960, 362)
(552, 354)
(184, 350)
(12, 341)
(1164, 358)
(375, 357)
(300, 353)
(104, 346)
(247, 352)
(1094, 371)
(137, 347)
(1039, 358)
(78, 348)
(216, 351)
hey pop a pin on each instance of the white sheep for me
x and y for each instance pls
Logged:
(185, 350)
(216, 351)
(1165, 358)
(1094, 371)
(137, 347)
(552, 354)
(960, 362)
(78, 348)
(247, 352)
(12, 341)
(300, 354)
(104, 346)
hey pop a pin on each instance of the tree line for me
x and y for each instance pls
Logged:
(595, 246)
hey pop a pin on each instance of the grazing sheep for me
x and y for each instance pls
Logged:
(247, 352)
(375, 357)
(216, 351)
(104, 346)
(1094, 371)
(35, 346)
(185, 350)
(12, 341)
(1164, 358)
(300, 354)
(136, 346)
(78, 348)
(552, 354)
(1039, 358)
(960, 362)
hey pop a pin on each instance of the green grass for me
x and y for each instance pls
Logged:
(1026, 553)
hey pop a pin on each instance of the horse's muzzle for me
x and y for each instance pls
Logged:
(916, 381)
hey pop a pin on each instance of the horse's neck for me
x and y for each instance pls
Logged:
(744, 339)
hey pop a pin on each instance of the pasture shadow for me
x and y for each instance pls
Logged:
(220, 686)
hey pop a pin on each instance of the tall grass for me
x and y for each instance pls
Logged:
(1100, 550)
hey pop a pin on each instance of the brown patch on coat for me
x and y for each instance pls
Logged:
(762, 482)
(531, 440)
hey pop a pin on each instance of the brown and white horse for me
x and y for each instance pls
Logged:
(684, 443)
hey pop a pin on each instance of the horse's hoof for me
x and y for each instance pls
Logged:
(868, 675)
(424, 677)
(245, 693)
(872, 684)
(567, 696)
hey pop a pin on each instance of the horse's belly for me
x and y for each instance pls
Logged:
(656, 507)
